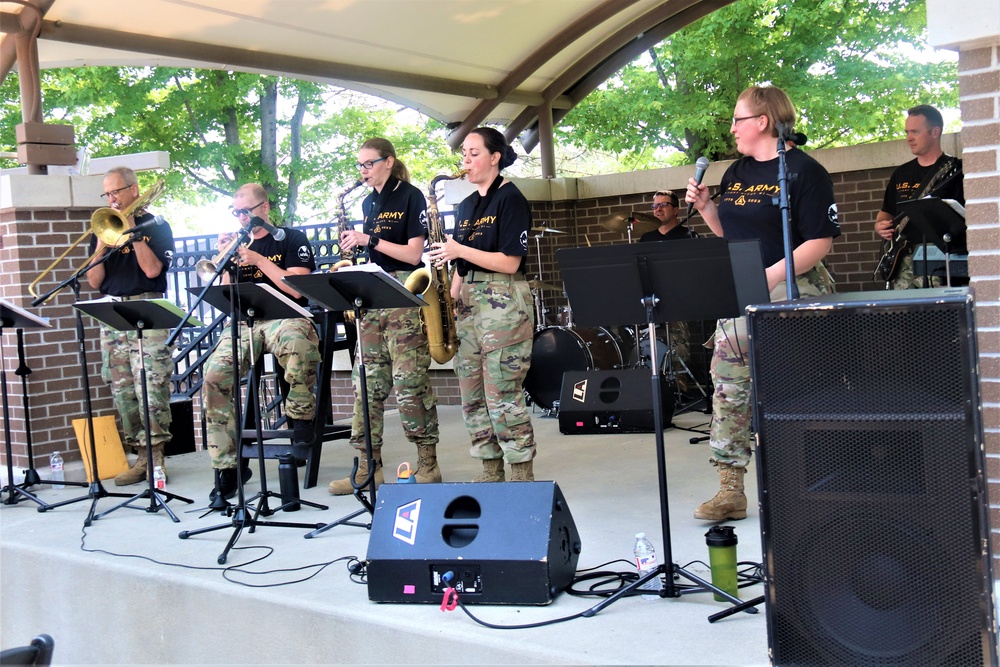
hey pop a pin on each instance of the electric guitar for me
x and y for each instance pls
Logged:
(895, 249)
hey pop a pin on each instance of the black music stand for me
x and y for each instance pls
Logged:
(935, 221)
(360, 287)
(139, 316)
(12, 317)
(647, 276)
(249, 302)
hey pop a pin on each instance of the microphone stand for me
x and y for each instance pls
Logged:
(96, 490)
(791, 287)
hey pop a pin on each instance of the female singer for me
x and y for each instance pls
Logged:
(393, 343)
(746, 211)
(493, 306)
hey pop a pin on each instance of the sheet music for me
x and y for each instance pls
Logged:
(955, 206)
(367, 267)
(284, 298)
(21, 312)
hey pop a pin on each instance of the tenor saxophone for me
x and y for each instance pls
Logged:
(343, 225)
(438, 312)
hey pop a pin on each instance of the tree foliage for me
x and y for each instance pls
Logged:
(848, 65)
(297, 138)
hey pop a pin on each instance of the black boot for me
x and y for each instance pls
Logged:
(226, 483)
(303, 432)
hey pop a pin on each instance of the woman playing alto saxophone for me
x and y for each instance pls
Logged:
(495, 322)
(393, 344)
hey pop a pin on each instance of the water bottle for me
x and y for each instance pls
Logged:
(645, 562)
(159, 478)
(56, 468)
(288, 479)
(404, 475)
(721, 541)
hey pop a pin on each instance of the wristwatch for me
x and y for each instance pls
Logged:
(373, 241)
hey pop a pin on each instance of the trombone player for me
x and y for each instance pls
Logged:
(135, 270)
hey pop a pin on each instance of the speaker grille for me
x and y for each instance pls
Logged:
(870, 471)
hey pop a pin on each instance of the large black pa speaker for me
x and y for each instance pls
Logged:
(619, 401)
(510, 543)
(872, 484)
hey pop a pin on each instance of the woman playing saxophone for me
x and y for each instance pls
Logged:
(393, 343)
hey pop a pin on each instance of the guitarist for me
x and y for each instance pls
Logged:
(923, 135)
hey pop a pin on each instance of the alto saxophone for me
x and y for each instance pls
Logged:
(438, 312)
(343, 225)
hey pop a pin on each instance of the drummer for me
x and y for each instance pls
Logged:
(665, 209)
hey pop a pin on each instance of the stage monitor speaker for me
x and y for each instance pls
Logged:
(511, 543)
(619, 401)
(871, 474)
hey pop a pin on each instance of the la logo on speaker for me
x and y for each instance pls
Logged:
(580, 391)
(404, 528)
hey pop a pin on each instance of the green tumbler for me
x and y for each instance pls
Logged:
(721, 541)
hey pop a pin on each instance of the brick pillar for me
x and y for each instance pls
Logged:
(34, 230)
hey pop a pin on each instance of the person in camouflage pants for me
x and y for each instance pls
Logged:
(394, 345)
(135, 271)
(730, 435)
(494, 315)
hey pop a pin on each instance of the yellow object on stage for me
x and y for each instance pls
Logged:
(111, 459)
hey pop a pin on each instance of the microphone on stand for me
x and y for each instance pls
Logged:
(158, 220)
(700, 167)
(277, 232)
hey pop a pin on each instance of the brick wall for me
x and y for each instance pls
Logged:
(979, 83)
(30, 241)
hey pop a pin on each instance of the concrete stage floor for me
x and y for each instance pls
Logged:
(127, 590)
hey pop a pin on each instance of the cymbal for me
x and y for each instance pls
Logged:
(548, 230)
(538, 284)
(641, 222)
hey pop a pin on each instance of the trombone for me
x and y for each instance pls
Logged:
(107, 225)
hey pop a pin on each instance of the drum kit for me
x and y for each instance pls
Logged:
(562, 347)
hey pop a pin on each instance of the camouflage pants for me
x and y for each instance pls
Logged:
(906, 279)
(730, 434)
(495, 327)
(396, 356)
(121, 368)
(295, 344)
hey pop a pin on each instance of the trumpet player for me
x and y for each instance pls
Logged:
(394, 346)
(494, 307)
(293, 341)
(136, 270)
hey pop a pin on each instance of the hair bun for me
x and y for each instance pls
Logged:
(508, 158)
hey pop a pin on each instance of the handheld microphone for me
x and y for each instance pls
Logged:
(277, 232)
(158, 220)
(700, 167)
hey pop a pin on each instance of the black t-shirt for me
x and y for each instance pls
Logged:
(678, 232)
(401, 217)
(122, 275)
(908, 180)
(294, 251)
(501, 227)
(747, 209)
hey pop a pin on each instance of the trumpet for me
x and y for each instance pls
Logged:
(107, 225)
(207, 268)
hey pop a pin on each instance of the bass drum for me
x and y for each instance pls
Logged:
(556, 350)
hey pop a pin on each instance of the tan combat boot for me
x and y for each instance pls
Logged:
(135, 474)
(427, 466)
(158, 460)
(730, 502)
(522, 472)
(492, 471)
(343, 487)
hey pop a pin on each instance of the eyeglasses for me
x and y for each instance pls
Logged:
(369, 164)
(741, 118)
(237, 212)
(110, 193)
(662, 205)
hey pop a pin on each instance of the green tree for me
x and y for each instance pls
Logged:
(851, 68)
(297, 138)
